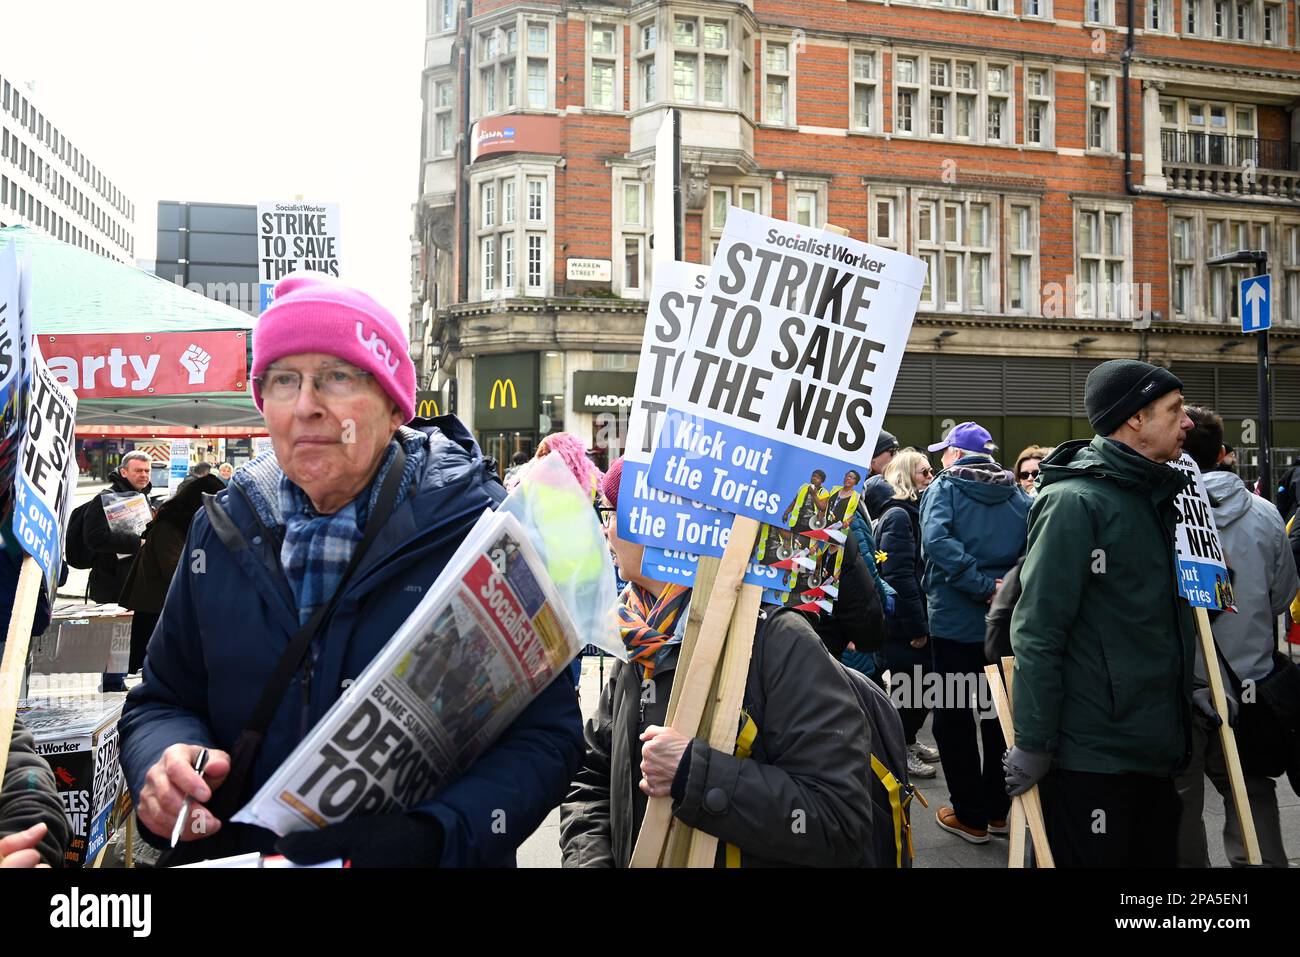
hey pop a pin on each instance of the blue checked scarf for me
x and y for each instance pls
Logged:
(317, 548)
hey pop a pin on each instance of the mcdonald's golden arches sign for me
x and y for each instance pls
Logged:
(505, 391)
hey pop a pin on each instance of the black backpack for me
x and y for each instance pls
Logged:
(75, 550)
(891, 792)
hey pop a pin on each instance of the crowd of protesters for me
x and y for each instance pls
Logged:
(1066, 560)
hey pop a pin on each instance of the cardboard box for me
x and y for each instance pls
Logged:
(77, 736)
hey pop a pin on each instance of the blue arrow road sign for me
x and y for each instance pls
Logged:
(1256, 303)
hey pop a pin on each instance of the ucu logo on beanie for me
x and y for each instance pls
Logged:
(377, 346)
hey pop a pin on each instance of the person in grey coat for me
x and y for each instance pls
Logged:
(33, 828)
(1264, 581)
(802, 799)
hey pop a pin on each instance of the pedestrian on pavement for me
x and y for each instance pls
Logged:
(1264, 581)
(162, 545)
(972, 532)
(907, 648)
(224, 471)
(886, 449)
(114, 551)
(809, 755)
(349, 488)
(1104, 644)
(1027, 466)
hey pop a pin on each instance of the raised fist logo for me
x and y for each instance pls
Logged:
(196, 362)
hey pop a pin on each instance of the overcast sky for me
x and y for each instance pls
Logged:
(241, 101)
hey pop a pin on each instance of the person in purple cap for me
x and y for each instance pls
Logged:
(973, 530)
(296, 575)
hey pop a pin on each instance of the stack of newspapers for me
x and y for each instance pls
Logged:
(488, 637)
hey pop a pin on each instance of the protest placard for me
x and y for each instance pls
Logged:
(11, 391)
(1204, 581)
(788, 370)
(295, 237)
(179, 467)
(47, 471)
(1202, 571)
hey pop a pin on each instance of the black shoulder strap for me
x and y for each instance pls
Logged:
(250, 738)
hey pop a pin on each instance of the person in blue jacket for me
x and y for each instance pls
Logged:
(973, 529)
(334, 382)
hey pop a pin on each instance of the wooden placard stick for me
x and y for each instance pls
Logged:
(1016, 823)
(691, 684)
(1033, 807)
(723, 722)
(17, 639)
(1228, 738)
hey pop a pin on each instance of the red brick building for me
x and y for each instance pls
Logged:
(1065, 177)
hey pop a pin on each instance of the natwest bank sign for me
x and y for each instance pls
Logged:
(514, 134)
(119, 365)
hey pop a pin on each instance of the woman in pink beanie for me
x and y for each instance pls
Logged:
(312, 559)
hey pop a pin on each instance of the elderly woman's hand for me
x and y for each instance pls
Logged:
(171, 780)
(661, 753)
(19, 850)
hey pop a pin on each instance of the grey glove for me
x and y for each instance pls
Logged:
(1203, 703)
(1024, 769)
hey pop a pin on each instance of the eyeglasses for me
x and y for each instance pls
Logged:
(927, 471)
(1027, 475)
(283, 385)
(606, 514)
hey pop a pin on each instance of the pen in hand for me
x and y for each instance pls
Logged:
(200, 762)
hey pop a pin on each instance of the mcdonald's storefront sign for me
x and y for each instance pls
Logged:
(505, 391)
(427, 405)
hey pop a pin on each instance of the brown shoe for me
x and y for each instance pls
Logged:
(948, 820)
(999, 828)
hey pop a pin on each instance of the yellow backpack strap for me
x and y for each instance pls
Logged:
(744, 747)
(893, 789)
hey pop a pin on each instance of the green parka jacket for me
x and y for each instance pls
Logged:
(1104, 643)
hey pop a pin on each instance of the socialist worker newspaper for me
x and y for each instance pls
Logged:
(489, 636)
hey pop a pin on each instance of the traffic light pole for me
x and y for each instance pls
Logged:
(1265, 402)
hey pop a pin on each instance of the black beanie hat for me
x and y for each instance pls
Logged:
(886, 442)
(1120, 387)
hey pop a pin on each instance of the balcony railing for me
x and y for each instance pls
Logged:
(1218, 149)
(1237, 165)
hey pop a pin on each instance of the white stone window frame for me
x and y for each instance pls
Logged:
(439, 114)
(520, 22)
(1289, 241)
(641, 58)
(1105, 13)
(730, 52)
(622, 230)
(1281, 33)
(1108, 144)
(1029, 250)
(896, 197)
(938, 247)
(1164, 10)
(875, 121)
(1191, 305)
(438, 16)
(520, 172)
(1124, 256)
(994, 8)
(1043, 11)
(923, 89)
(789, 75)
(1221, 282)
(759, 190)
(614, 59)
(1047, 97)
(819, 189)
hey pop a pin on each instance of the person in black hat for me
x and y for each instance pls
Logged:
(1104, 644)
(886, 449)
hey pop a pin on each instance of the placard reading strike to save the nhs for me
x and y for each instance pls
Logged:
(788, 371)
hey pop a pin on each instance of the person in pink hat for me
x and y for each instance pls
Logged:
(298, 573)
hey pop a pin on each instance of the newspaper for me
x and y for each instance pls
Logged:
(126, 512)
(488, 637)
